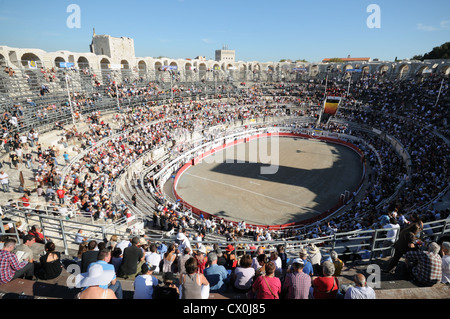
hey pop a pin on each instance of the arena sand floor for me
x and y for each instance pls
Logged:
(306, 179)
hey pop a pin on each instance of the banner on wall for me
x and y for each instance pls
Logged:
(332, 104)
(32, 64)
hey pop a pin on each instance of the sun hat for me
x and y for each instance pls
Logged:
(313, 249)
(298, 261)
(96, 276)
(143, 241)
(202, 249)
(229, 248)
(147, 267)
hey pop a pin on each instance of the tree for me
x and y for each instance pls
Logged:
(441, 52)
(438, 53)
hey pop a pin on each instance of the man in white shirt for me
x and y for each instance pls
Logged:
(153, 257)
(4, 181)
(391, 235)
(361, 290)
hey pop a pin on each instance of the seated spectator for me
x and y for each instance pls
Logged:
(242, 277)
(262, 261)
(133, 257)
(10, 268)
(230, 257)
(283, 256)
(338, 264)
(220, 258)
(92, 281)
(104, 259)
(267, 286)
(169, 290)
(192, 282)
(89, 256)
(145, 284)
(116, 258)
(315, 257)
(153, 257)
(182, 260)
(169, 258)
(425, 267)
(255, 263)
(445, 249)
(80, 238)
(361, 290)
(50, 265)
(325, 286)
(201, 257)
(35, 231)
(27, 242)
(216, 275)
(113, 240)
(297, 284)
(277, 262)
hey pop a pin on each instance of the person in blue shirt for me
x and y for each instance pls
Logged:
(103, 259)
(66, 157)
(216, 275)
(307, 268)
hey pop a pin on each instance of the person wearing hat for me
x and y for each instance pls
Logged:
(297, 284)
(201, 257)
(145, 283)
(168, 290)
(315, 257)
(183, 240)
(92, 280)
(104, 259)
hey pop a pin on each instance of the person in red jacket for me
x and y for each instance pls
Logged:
(61, 195)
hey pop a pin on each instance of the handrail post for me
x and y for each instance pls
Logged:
(66, 248)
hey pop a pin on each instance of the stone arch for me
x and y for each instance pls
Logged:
(125, 65)
(383, 69)
(347, 67)
(142, 67)
(188, 66)
(59, 60)
(82, 62)
(2, 61)
(445, 70)
(403, 70)
(104, 64)
(421, 69)
(175, 64)
(365, 69)
(30, 57)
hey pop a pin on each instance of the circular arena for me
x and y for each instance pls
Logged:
(247, 155)
(304, 178)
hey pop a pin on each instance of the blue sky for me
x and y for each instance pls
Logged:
(264, 30)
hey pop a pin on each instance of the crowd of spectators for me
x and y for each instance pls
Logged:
(403, 110)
